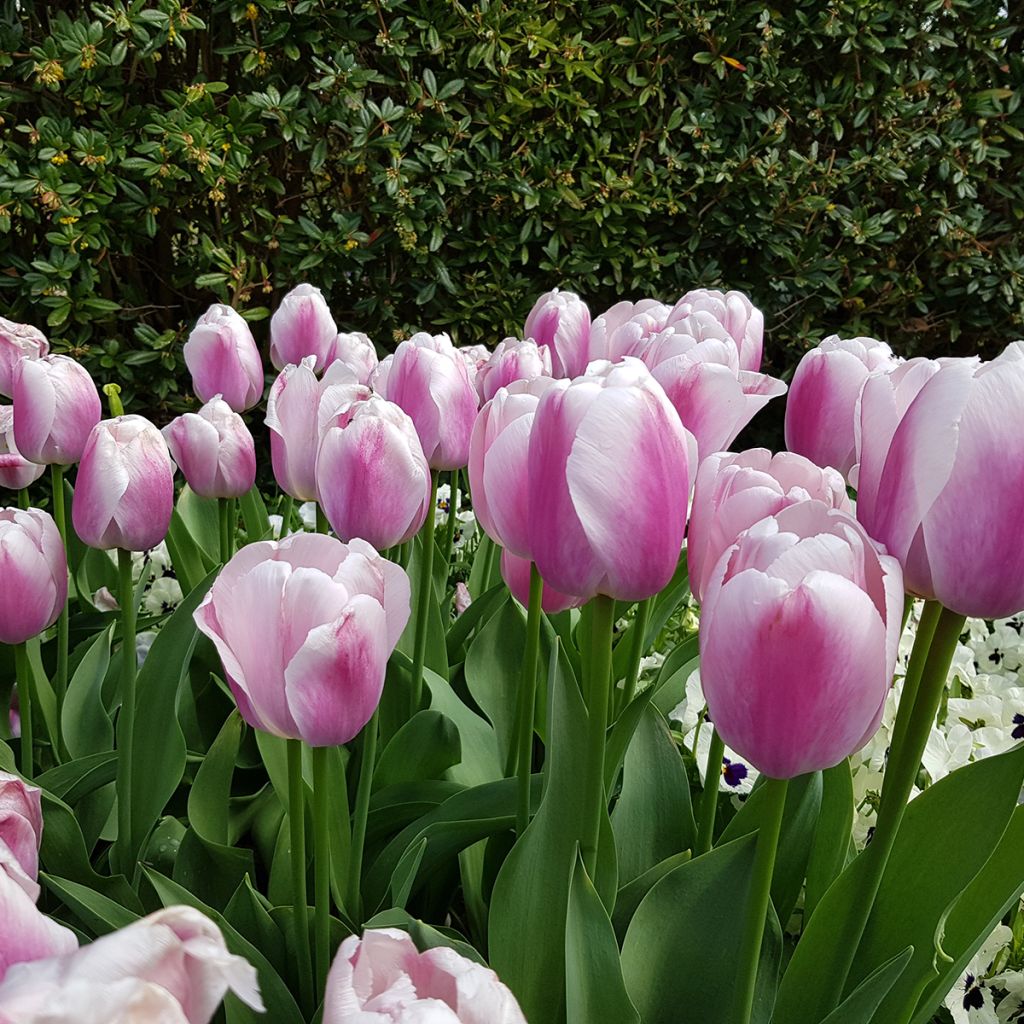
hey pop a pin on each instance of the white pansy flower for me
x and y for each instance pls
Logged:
(971, 1000)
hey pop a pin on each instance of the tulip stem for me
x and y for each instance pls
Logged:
(528, 700)
(297, 828)
(598, 671)
(322, 525)
(60, 518)
(450, 523)
(759, 896)
(636, 651)
(321, 865)
(224, 507)
(424, 598)
(709, 796)
(126, 721)
(24, 502)
(23, 673)
(287, 507)
(367, 761)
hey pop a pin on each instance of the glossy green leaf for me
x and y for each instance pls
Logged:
(424, 748)
(831, 838)
(860, 1005)
(630, 896)
(99, 913)
(201, 517)
(85, 724)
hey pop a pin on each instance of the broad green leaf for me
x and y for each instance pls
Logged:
(630, 895)
(860, 1005)
(394, 807)
(831, 834)
(98, 912)
(201, 517)
(424, 748)
(424, 935)
(187, 557)
(479, 611)
(254, 515)
(249, 912)
(75, 779)
(670, 686)
(85, 723)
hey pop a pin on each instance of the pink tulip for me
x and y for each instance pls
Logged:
(56, 405)
(625, 329)
(512, 360)
(357, 352)
(124, 492)
(17, 342)
(383, 979)
(16, 471)
(515, 571)
(428, 378)
(298, 409)
(214, 450)
(610, 466)
(27, 934)
(475, 357)
(561, 321)
(948, 502)
(733, 492)
(798, 638)
(821, 407)
(372, 478)
(223, 359)
(304, 628)
(21, 829)
(462, 599)
(34, 571)
(743, 321)
(302, 326)
(171, 967)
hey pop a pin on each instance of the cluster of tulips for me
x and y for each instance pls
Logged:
(595, 451)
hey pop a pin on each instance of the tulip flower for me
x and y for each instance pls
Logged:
(948, 498)
(214, 450)
(429, 379)
(821, 407)
(799, 632)
(561, 321)
(357, 352)
(515, 571)
(383, 977)
(304, 628)
(17, 342)
(512, 360)
(27, 933)
(610, 466)
(21, 829)
(57, 405)
(625, 329)
(475, 357)
(34, 571)
(172, 967)
(124, 493)
(302, 326)
(742, 320)
(223, 359)
(16, 471)
(372, 478)
(733, 492)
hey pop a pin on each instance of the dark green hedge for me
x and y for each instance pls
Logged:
(855, 165)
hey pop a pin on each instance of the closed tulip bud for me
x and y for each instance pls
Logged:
(475, 357)
(512, 360)
(124, 492)
(733, 492)
(223, 359)
(561, 321)
(302, 326)
(798, 638)
(429, 379)
(947, 502)
(610, 466)
(34, 571)
(625, 329)
(515, 571)
(27, 934)
(16, 471)
(356, 351)
(21, 829)
(214, 450)
(822, 402)
(742, 320)
(384, 977)
(57, 405)
(304, 628)
(372, 478)
(17, 342)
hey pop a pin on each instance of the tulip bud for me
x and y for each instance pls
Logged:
(34, 571)
(57, 405)
(742, 320)
(302, 326)
(21, 829)
(512, 360)
(821, 407)
(357, 352)
(304, 628)
(625, 329)
(223, 359)
(515, 571)
(561, 321)
(214, 450)
(475, 357)
(27, 934)
(16, 471)
(124, 492)
(798, 638)
(17, 342)
(372, 478)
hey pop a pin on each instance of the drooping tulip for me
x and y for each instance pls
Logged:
(34, 571)
(512, 360)
(304, 628)
(384, 977)
(302, 326)
(948, 500)
(561, 321)
(734, 491)
(27, 933)
(515, 571)
(17, 342)
(16, 471)
(124, 492)
(56, 405)
(372, 478)
(822, 401)
(428, 378)
(799, 632)
(214, 450)
(625, 329)
(172, 967)
(222, 356)
(21, 829)
(743, 321)
(610, 466)
(357, 351)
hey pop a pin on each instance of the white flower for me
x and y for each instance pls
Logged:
(307, 516)
(163, 596)
(1010, 1008)
(971, 1000)
(947, 750)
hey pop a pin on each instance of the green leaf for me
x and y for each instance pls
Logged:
(424, 935)
(85, 723)
(190, 564)
(99, 913)
(860, 1005)
(76, 779)
(424, 748)
(831, 835)
(254, 515)
(201, 517)
(630, 896)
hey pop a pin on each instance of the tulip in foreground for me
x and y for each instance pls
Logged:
(34, 571)
(27, 933)
(302, 326)
(17, 342)
(561, 321)
(222, 356)
(16, 471)
(21, 830)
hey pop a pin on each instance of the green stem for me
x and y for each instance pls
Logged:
(424, 598)
(636, 651)
(709, 797)
(224, 507)
(321, 865)
(322, 525)
(759, 897)
(23, 673)
(23, 499)
(450, 523)
(367, 760)
(297, 828)
(126, 721)
(60, 518)
(523, 750)
(287, 508)
(598, 675)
